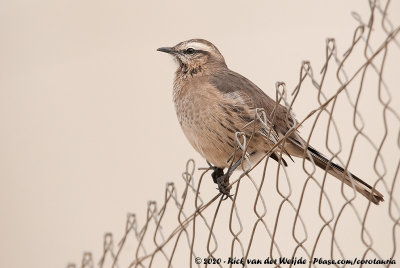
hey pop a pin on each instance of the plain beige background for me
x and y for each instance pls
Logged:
(88, 130)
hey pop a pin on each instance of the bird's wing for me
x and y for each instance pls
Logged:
(243, 97)
(237, 87)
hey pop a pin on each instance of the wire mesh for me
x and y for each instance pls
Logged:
(278, 213)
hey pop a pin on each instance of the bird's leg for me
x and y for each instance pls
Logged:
(223, 184)
(231, 169)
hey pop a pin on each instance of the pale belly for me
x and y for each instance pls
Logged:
(211, 131)
(217, 145)
(214, 146)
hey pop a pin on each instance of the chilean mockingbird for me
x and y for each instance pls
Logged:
(213, 103)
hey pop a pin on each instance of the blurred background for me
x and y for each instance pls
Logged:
(88, 130)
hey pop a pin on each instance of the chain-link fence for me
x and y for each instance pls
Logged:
(285, 215)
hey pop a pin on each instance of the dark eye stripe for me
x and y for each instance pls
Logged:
(203, 52)
(196, 51)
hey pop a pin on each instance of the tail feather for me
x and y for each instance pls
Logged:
(348, 178)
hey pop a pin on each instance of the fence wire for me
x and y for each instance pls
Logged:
(281, 212)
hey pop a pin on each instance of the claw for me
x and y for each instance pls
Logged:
(226, 196)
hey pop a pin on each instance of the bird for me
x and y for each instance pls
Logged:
(213, 103)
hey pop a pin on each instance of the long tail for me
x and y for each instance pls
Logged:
(335, 170)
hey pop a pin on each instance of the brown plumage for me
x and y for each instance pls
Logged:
(213, 103)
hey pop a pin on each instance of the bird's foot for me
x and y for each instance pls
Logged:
(223, 186)
(222, 180)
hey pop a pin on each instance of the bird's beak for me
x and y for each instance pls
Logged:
(168, 50)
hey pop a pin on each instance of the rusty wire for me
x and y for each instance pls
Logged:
(196, 219)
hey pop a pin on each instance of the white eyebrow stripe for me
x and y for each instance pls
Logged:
(198, 46)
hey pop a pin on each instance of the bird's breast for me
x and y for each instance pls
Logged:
(205, 125)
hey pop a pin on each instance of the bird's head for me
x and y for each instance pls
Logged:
(195, 54)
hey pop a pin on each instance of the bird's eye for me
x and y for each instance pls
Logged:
(190, 51)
